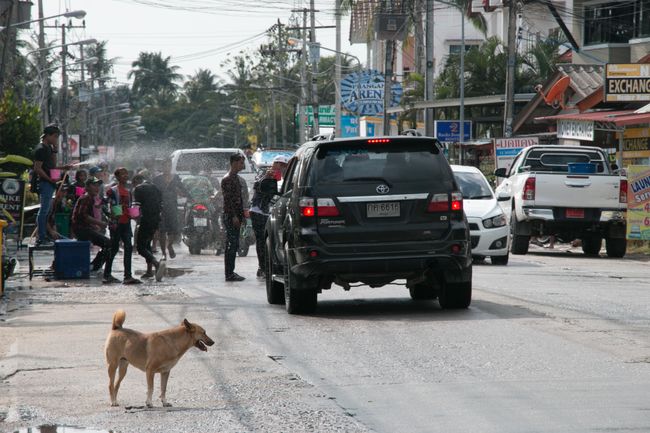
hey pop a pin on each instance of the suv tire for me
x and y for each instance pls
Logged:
(274, 290)
(423, 292)
(591, 245)
(519, 242)
(500, 260)
(616, 247)
(298, 301)
(454, 296)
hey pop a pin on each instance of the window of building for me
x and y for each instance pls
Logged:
(455, 49)
(644, 19)
(612, 22)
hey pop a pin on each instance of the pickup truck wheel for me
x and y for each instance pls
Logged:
(591, 245)
(519, 242)
(422, 292)
(298, 301)
(454, 296)
(499, 260)
(274, 290)
(615, 247)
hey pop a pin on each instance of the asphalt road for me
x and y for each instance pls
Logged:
(553, 342)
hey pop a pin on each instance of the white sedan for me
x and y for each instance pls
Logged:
(489, 228)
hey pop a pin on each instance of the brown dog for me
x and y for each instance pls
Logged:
(152, 353)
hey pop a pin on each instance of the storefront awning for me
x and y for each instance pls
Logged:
(616, 119)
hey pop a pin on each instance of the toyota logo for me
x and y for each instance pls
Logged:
(382, 189)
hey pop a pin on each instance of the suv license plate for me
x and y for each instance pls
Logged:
(575, 213)
(200, 222)
(383, 210)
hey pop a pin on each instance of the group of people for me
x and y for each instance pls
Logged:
(100, 205)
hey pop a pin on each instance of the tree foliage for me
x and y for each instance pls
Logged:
(19, 126)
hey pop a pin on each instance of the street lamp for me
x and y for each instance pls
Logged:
(72, 14)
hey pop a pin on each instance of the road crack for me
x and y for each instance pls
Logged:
(25, 370)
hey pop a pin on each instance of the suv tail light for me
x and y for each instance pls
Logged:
(200, 207)
(529, 189)
(440, 202)
(622, 191)
(324, 207)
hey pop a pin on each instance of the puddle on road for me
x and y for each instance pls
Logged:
(59, 429)
(177, 272)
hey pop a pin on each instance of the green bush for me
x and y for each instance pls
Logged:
(20, 126)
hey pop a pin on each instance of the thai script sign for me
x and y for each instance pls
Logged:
(627, 82)
(638, 202)
(505, 149)
(363, 93)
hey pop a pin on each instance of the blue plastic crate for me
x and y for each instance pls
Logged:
(71, 259)
(581, 167)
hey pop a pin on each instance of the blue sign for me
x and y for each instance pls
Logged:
(449, 130)
(349, 126)
(363, 93)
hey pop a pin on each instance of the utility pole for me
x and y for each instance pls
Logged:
(64, 96)
(302, 126)
(337, 72)
(388, 75)
(510, 73)
(7, 42)
(462, 85)
(428, 82)
(314, 68)
(45, 82)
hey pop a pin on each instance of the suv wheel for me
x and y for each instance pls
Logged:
(519, 242)
(274, 290)
(298, 301)
(499, 260)
(615, 247)
(423, 291)
(455, 295)
(591, 245)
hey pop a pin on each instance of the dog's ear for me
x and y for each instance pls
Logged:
(188, 325)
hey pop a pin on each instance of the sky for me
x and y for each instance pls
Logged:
(202, 37)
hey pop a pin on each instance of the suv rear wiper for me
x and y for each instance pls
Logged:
(367, 178)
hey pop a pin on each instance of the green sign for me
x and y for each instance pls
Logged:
(326, 116)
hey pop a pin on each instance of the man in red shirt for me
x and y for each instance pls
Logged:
(89, 228)
(120, 200)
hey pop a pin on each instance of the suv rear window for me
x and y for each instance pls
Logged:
(404, 162)
(546, 160)
(208, 161)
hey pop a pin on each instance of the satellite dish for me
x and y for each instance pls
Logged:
(555, 96)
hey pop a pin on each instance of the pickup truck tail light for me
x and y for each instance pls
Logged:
(622, 191)
(440, 203)
(323, 207)
(529, 189)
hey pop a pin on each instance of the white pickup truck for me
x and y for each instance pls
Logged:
(566, 191)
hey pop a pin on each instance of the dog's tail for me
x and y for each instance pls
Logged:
(118, 319)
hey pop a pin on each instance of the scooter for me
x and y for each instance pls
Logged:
(198, 232)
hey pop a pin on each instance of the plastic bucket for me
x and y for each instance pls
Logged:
(116, 209)
(134, 211)
(79, 191)
(581, 167)
(55, 173)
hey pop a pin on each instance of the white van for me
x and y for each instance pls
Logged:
(216, 160)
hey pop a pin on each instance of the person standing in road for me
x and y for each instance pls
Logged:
(170, 186)
(260, 209)
(120, 200)
(87, 227)
(150, 199)
(44, 162)
(233, 213)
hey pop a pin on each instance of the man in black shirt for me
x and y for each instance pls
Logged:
(44, 162)
(150, 199)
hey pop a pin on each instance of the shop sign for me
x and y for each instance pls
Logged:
(627, 82)
(505, 149)
(638, 202)
(448, 131)
(12, 200)
(349, 126)
(362, 93)
(326, 116)
(575, 129)
(636, 140)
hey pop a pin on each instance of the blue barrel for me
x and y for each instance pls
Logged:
(582, 167)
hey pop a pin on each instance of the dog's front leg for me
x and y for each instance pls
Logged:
(150, 375)
(163, 388)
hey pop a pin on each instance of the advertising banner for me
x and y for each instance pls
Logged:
(505, 149)
(362, 93)
(12, 202)
(638, 202)
(349, 126)
(627, 82)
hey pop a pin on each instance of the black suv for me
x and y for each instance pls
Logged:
(368, 210)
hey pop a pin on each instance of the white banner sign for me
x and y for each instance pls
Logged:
(505, 149)
(575, 129)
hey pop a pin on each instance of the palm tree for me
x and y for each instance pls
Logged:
(153, 75)
(200, 86)
(104, 66)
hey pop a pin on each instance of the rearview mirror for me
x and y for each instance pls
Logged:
(503, 196)
(500, 172)
(269, 186)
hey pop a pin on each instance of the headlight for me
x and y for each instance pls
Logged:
(497, 221)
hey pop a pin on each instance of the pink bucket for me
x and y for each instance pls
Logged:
(134, 212)
(79, 191)
(55, 173)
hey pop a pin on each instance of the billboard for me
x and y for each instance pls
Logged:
(505, 149)
(627, 82)
(638, 202)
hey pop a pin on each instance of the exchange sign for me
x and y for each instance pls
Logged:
(627, 82)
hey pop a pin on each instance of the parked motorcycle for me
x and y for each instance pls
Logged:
(199, 231)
